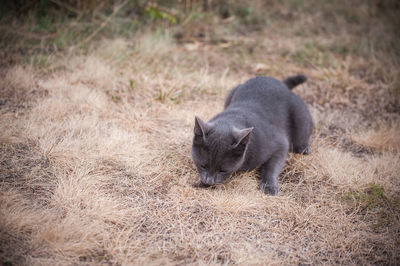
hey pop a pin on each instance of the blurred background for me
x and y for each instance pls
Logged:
(344, 46)
(52, 25)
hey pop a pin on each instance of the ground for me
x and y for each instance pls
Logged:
(95, 143)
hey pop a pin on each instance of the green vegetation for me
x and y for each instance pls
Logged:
(373, 204)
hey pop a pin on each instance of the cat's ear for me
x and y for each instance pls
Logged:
(201, 128)
(241, 138)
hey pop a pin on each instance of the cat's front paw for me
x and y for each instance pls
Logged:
(268, 189)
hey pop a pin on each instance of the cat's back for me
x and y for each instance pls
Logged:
(263, 82)
(260, 90)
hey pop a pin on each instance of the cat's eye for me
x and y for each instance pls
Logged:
(223, 171)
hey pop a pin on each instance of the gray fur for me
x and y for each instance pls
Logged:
(261, 121)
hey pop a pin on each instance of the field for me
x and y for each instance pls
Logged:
(96, 131)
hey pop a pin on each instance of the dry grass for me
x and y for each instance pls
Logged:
(96, 166)
(385, 137)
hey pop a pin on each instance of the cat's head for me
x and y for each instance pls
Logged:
(218, 150)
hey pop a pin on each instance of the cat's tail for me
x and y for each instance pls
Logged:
(293, 81)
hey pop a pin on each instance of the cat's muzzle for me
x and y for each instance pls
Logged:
(211, 180)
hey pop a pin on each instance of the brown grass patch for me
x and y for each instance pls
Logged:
(384, 138)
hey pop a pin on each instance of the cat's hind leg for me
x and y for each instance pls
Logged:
(300, 129)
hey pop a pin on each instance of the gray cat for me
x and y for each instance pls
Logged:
(261, 122)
